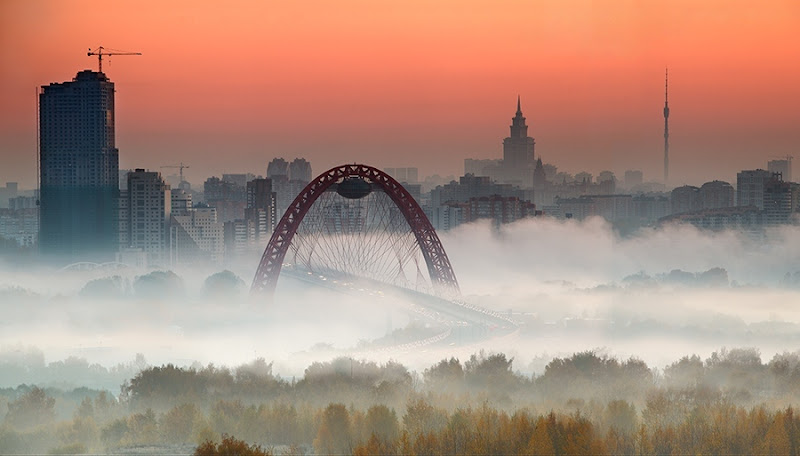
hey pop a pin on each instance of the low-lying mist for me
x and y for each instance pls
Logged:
(573, 286)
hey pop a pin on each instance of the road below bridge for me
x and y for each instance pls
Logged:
(455, 321)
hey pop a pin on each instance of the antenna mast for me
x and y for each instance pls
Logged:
(666, 126)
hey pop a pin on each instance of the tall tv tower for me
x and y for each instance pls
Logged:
(666, 125)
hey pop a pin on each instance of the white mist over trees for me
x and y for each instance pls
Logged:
(573, 286)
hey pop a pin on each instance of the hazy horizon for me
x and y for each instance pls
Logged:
(551, 274)
(416, 84)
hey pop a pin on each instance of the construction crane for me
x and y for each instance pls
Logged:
(101, 51)
(181, 167)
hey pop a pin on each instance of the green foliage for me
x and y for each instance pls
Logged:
(34, 408)
(105, 287)
(142, 429)
(161, 388)
(178, 424)
(223, 283)
(589, 404)
(158, 284)
(113, 433)
(446, 375)
(492, 373)
(587, 375)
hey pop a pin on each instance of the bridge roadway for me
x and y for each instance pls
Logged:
(461, 323)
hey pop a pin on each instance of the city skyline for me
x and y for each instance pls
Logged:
(227, 89)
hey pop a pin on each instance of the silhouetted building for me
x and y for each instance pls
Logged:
(750, 187)
(716, 194)
(404, 175)
(123, 178)
(576, 208)
(633, 178)
(144, 215)
(743, 218)
(180, 201)
(780, 201)
(539, 174)
(261, 211)
(518, 151)
(550, 171)
(685, 199)
(499, 209)
(584, 177)
(22, 202)
(650, 208)
(449, 215)
(236, 236)
(196, 236)
(606, 176)
(470, 186)
(613, 208)
(288, 181)
(20, 223)
(782, 167)
(227, 196)
(252, 233)
(483, 167)
(239, 180)
(278, 167)
(8, 192)
(78, 169)
(300, 170)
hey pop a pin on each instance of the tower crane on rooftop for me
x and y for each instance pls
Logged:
(101, 51)
(181, 167)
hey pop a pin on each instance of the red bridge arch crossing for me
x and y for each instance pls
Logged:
(439, 268)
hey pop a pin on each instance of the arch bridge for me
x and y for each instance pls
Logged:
(359, 221)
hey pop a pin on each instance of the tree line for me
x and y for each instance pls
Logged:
(729, 403)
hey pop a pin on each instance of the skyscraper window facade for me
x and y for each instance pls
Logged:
(78, 169)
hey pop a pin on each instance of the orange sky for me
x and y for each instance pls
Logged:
(226, 86)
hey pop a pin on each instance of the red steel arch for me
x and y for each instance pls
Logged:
(439, 268)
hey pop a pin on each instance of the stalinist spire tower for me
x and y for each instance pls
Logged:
(518, 161)
(666, 126)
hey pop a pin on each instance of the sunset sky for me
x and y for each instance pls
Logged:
(227, 86)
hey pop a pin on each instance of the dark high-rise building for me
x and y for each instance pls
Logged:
(782, 167)
(288, 180)
(780, 201)
(78, 169)
(685, 199)
(408, 175)
(260, 212)
(750, 187)
(300, 170)
(716, 194)
(278, 167)
(147, 204)
(6, 193)
(228, 197)
(518, 161)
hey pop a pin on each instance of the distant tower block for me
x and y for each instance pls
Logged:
(782, 166)
(666, 126)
